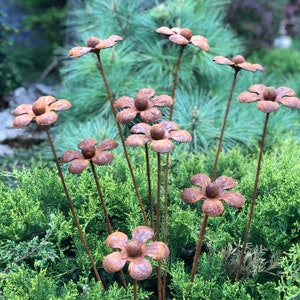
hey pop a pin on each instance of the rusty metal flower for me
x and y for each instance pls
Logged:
(94, 44)
(158, 135)
(143, 105)
(269, 98)
(213, 193)
(89, 152)
(238, 63)
(41, 111)
(184, 36)
(134, 251)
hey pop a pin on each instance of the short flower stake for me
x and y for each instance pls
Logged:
(268, 101)
(134, 252)
(42, 111)
(213, 193)
(238, 63)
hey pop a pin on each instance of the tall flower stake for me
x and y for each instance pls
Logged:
(268, 99)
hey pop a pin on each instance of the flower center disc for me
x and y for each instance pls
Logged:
(88, 152)
(212, 190)
(141, 103)
(92, 42)
(270, 94)
(238, 59)
(187, 33)
(38, 108)
(157, 132)
(134, 249)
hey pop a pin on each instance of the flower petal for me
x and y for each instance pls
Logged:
(181, 136)
(87, 143)
(233, 199)
(136, 140)
(267, 106)
(126, 115)
(192, 195)
(248, 97)
(285, 91)
(124, 102)
(141, 128)
(200, 42)
(140, 269)
(116, 240)
(222, 60)
(61, 104)
(157, 250)
(201, 180)
(292, 102)
(114, 262)
(21, 121)
(178, 39)
(70, 155)
(142, 233)
(162, 146)
(163, 101)
(257, 88)
(247, 66)
(24, 109)
(259, 67)
(102, 158)
(212, 208)
(151, 115)
(225, 182)
(46, 100)
(169, 125)
(78, 165)
(107, 43)
(79, 51)
(165, 30)
(146, 92)
(107, 144)
(46, 118)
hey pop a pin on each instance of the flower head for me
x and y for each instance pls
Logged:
(143, 105)
(184, 36)
(158, 135)
(89, 152)
(94, 44)
(134, 251)
(269, 98)
(213, 193)
(238, 63)
(41, 111)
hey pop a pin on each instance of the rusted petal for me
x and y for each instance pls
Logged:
(147, 92)
(22, 121)
(178, 39)
(140, 269)
(136, 140)
(165, 30)
(110, 42)
(78, 165)
(233, 199)
(201, 180)
(107, 145)
(169, 125)
(157, 250)
(114, 262)
(222, 60)
(46, 100)
(247, 66)
(126, 115)
(79, 51)
(176, 29)
(163, 101)
(225, 182)
(257, 88)
(151, 115)
(141, 128)
(267, 106)
(181, 136)
(248, 97)
(87, 143)
(259, 67)
(124, 101)
(23, 109)
(162, 146)
(102, 158)
(192, 195)
(116, 240)
(70, 155)
(46, 118)
(212, 208)
(285, 91)
(292, 102)
(200, 42)
(142, 233)
(61, 104)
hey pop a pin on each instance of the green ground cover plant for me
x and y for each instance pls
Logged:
(154, 210)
